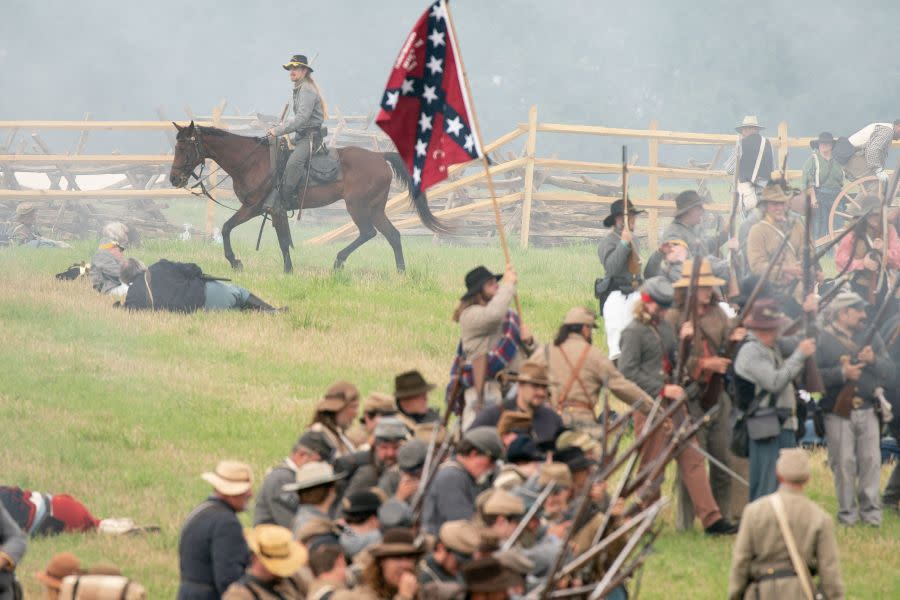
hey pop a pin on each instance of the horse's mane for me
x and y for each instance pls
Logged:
(216, 132)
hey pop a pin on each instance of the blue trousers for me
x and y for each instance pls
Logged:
(763, 454)
(221, 295)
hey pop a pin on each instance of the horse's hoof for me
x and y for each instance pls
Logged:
(237, 265)
(288, 270)
(338, 265)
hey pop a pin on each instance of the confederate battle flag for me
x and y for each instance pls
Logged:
(424, 109)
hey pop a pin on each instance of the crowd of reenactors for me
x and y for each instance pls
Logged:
(722, 350)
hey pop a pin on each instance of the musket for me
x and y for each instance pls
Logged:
(843, 404)
(689, 314)
(812, 379)
(428, 477)
(824, 248)
(634, 260)
(824, 301)
(886, 201)
(523, 523)
(733, 265)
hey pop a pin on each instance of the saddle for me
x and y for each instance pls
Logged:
(324, 164)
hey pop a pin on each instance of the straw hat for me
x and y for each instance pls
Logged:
(749, 121)
(59, 567)
(706, 278)
(276, 548)
(231, 478)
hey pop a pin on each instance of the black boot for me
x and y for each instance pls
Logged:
(722, 527)
(255, 303)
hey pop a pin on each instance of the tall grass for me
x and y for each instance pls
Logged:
(124, 411)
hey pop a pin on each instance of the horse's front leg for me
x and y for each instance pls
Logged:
(244, 213)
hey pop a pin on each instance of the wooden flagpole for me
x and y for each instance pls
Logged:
(476, 129)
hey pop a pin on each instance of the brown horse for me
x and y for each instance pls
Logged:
(364, 187)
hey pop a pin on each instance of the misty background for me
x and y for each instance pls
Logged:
(694, 66)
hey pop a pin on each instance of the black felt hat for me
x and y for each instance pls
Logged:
(618, 208)
(824, 138)
(297, 60)
(476, 278)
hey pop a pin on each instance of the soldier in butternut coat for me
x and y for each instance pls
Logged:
(765, 237)
(578, 371)
(761, 566)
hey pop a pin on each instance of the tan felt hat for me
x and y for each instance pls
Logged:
(59, 567)
(313, 474)
(514, 420)
(231, 478)
(581, 315)
(534, 373)
(460, 536)
(501, 502)
(559, 473)
(706, 278)
(337, 397)
(378, 402)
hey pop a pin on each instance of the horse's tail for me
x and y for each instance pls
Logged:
(419, 201)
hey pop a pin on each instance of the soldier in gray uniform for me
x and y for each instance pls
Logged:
(305, 124)
(12, 549)
(686, 225)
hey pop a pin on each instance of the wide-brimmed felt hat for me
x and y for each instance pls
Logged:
(276, 548)
(574, 458)
(313, 474)
(230, 478)
(410, 384)
(380, 403)
(514, 421)
(824, 138)
(534, 373)
(297, 60)
(749, 121)
(864, 204)
(765, 314)
(486, 575)
(476, 278)
(706, 278)
(501, 502)
(687, 200)
(361, 502)
(59, 567)
(581, 315)
(396, 542)
(338, 396)
(558, 473)
(617, 208)
(24, 208)
(778, 190)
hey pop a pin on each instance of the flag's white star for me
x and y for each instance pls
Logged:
(417, 175)
(425, 122)
(439, 11)
(392, 98)
(470, 143)
(435, 65)
(454, 125)
(421, 148)
(406, 87)
(429, 94)
(437, 38)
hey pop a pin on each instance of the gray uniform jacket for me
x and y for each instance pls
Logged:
(641, 360)
(12, 540)
(614, 258)
(766, 367)
(308, 113)
(274, 505)
(830, 349)
(105, 270)
(699, 246)
(451, 497)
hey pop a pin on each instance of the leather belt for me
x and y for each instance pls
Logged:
(775, 574)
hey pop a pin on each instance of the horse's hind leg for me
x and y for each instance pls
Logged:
(366, 233)
(243, 214)
(280, 222)
(387, 229)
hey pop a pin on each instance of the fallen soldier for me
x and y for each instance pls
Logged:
(107, 262)
(182, 287)
(39, 514)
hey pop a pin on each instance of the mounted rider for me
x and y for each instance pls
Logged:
(306, 124)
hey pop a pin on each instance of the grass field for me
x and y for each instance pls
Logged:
(124, 411)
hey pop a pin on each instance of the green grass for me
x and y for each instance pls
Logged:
(124, 411)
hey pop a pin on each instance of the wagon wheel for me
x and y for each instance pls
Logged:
(845, 203)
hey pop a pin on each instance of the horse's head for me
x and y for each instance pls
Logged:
(189, 153)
